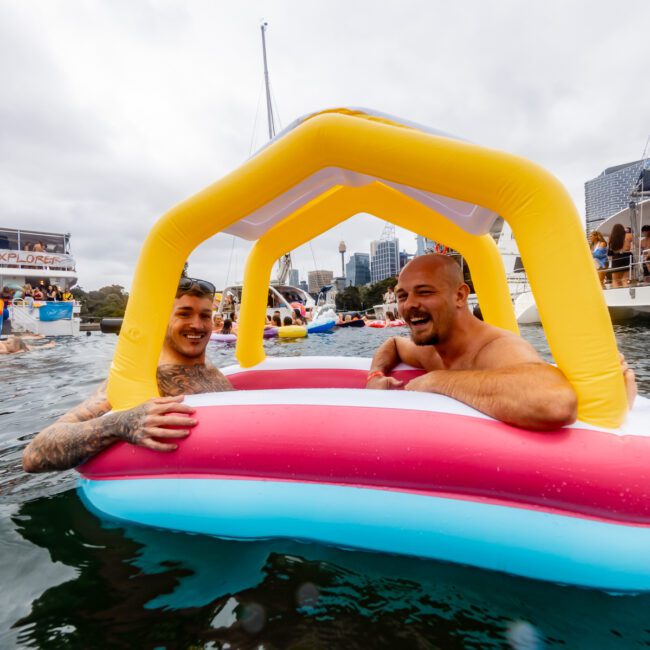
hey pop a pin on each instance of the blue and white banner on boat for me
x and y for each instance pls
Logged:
(56, 311)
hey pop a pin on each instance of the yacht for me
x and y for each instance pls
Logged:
(280, 298)
(623, 302)
(39, 258)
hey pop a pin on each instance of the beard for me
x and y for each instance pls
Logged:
(434, 339)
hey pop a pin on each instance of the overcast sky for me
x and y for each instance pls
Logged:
(113, 111)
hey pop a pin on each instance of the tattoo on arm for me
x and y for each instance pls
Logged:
(188, 380)
(73, 438)
(83, 432)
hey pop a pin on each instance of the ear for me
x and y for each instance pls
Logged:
(461, 294)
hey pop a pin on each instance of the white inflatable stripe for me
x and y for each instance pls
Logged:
(636, 423)
(356, 397)
(310, 363)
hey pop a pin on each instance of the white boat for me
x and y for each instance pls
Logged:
(280, 298)
(623, 302)
(20, 264)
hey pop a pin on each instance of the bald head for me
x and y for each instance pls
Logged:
(432, 298)
(442, 267)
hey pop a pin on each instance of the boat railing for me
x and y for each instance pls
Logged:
(634, 271)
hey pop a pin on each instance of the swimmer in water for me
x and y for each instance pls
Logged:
(16, 345)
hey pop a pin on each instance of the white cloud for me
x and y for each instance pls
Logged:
(112, 112)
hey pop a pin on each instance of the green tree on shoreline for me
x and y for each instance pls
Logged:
(107, 302)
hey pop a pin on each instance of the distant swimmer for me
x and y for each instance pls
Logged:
(15, 345)
(89, 428)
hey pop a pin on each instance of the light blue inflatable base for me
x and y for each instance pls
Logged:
(529, 543)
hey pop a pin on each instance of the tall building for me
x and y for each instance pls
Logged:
(357, 270)
(609, 192)
(384, 259)
(294, 277)
(303, 285)
(318, 279)
(423, 244)
(404, 258)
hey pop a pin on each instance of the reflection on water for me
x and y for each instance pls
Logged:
(72, 581)
(142, 588)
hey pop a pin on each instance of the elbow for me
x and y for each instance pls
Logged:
(560, 411)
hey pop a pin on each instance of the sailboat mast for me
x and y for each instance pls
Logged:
(284, 263)
(269, 107)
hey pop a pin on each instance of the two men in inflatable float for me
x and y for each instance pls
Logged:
(476, 461)
(488, 368)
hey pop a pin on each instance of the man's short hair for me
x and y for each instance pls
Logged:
(645, 228)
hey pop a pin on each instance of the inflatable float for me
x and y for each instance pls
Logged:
(401, 472)
(284, 332)
(380, 324)
(351, 323)
(218, 337)
(319, 326)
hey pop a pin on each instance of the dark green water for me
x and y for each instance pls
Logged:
(70, 580)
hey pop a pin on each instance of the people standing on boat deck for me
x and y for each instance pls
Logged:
(620, 257)
(37, 294)
(389, 297)
(39, 247)
(644, 245)
(67, 296)
(488, 368)
(629, 239)
(89, 428)
(599, 253)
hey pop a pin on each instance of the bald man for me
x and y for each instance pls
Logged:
(490, 369)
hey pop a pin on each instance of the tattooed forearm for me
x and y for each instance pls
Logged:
(65, 445)
(83, 432)
(188, 380)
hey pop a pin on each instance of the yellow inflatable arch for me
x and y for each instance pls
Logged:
(332, 165)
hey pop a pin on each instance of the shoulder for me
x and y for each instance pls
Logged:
(418, 356)
(177, 379)
(503, 348)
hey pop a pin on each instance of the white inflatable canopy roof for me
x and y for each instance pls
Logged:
(472, 218)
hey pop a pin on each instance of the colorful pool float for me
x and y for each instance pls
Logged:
(319, 326)
(380, 324)
(401, 472)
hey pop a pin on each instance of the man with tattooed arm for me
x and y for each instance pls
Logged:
(89, 428)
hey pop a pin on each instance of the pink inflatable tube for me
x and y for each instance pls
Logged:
(427, 446)
(382, 323)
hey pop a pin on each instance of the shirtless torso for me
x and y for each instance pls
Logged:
(488, 368)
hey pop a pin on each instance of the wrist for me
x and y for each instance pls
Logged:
(373, 374)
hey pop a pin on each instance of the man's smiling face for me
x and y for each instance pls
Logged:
(429, 293)
(190, 326)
